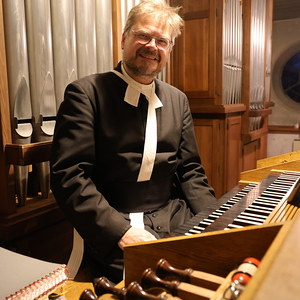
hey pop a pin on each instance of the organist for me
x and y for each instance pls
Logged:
(121, 140)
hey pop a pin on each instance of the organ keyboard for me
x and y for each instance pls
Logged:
(272, 200)
(270, 232)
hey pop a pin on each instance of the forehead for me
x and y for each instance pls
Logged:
(153, 25)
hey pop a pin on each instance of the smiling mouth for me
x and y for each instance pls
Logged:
(148, 56)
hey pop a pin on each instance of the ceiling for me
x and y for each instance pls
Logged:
(286, 9)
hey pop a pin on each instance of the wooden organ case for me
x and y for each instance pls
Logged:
(274, 242)
(222, 63)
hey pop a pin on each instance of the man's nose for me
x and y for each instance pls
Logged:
(152, 43)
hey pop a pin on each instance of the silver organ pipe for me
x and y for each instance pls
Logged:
(257, 67)
(38, 19)
(104, 35)
(64, 45)
(268, 54)
(233, 44)
(19, 90)
(86, 37)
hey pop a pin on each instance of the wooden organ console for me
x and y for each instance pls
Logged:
(255, 219)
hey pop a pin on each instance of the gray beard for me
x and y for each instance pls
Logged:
(140, 71)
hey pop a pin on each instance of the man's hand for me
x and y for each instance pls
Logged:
(135, 235)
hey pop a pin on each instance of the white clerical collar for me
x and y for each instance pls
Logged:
(132, 96)
(135, 88)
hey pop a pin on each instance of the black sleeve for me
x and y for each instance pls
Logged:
(72, 163)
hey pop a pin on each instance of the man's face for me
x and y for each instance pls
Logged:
(144, 62)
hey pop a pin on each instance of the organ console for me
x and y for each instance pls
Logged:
(258, 218)
(255, 219)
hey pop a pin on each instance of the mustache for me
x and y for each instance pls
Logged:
(148, 52)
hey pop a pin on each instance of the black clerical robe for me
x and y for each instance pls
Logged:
(97, 153)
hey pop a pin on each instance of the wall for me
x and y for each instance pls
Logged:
(286, 42)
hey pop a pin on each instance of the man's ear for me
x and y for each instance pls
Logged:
(123, 40)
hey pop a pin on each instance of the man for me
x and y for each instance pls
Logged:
(125, 164)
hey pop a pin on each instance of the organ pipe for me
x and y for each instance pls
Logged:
(19, 90)
(64, 45)
(86, 37)
(104, 36)
(257, 67)
(38, 19)
(233, 45)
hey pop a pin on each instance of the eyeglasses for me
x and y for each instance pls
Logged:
(144, 38)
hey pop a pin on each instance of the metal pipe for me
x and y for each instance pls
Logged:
(232, 58)
(18, 85)
(86, 37)
(64, 45)
(38, 19)
(104, 35)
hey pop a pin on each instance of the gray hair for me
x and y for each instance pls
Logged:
(157, 8)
